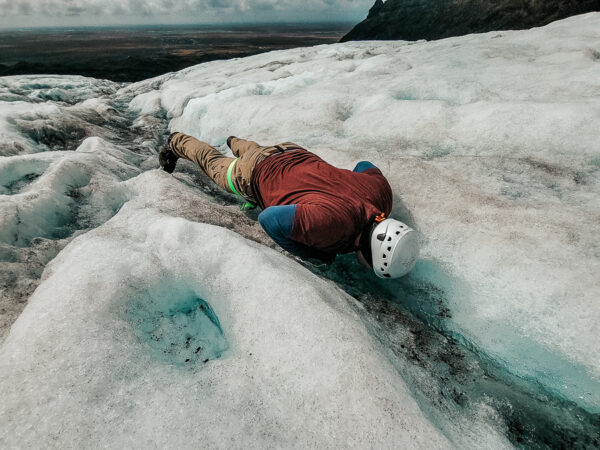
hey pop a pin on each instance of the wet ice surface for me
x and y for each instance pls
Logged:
(490, 143)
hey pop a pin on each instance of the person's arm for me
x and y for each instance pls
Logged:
(364, 166)
(278, 222)
(326, 227)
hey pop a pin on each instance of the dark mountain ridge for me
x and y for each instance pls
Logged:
(436, 19)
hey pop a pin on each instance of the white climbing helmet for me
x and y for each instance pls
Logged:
(394, 248)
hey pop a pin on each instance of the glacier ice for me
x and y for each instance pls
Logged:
(296, 361)
(490, 140)
(490, 143)
(40, 113)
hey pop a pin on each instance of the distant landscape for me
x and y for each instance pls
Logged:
(137, 53)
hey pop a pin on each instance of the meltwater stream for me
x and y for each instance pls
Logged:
(453, 378)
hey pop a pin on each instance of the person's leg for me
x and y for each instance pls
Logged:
(240, 147)
(216, 165)
(249, 155)
(210, 160)
(289, 146)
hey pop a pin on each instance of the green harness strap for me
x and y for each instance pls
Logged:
(231, 186)
(246, 205)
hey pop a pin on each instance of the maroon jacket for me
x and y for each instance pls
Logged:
(333, 206)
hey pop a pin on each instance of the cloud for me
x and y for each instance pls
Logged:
(57, 8)
(31, 13)
(25, 9)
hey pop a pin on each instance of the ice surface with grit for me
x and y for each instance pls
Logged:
(139, 319)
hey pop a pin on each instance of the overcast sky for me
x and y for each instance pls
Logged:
(34, 13)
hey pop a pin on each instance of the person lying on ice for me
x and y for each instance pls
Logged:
(309, 207)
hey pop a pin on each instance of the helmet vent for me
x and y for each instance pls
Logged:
(385, 264)
(389, 249)
(384, 255)
(397, 233)
(387, 275)
(381, 237)
(389, 238)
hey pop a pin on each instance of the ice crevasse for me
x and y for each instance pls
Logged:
(150, 327)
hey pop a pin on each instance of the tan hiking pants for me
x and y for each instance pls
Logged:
(215, 164)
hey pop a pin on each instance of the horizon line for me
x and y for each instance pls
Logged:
(184, 24)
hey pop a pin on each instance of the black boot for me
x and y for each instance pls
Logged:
(167, 158)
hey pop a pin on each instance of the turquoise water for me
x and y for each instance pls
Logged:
(176, 326)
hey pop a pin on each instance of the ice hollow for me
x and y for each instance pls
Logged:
(178, 327)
